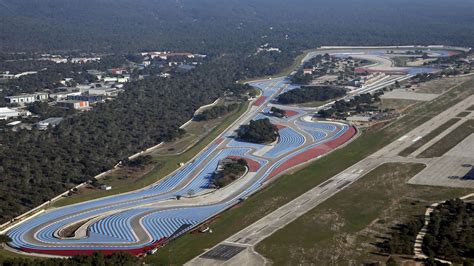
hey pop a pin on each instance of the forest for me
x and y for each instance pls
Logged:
(216, 26)
(258, 131)
(311, 94)
(450, 233)
(449, 236)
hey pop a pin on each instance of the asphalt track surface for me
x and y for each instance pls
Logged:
(139, 221)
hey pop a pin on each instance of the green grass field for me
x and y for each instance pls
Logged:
(415, 146)
(7, 254)
(343, 229)
(449, 141)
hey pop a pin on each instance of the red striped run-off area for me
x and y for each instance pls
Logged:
(73, 252)
(260, 100)
(314, 152)
(251, 164)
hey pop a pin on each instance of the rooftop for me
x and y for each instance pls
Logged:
(52, 120)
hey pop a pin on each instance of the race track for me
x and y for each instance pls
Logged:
(142, 220)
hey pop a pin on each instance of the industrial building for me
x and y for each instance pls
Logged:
(73, 104)
(52, 121)
(7, 113)
(27, 98)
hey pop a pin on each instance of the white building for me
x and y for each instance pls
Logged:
(63, 95)
(105, 187)
(109, 79)
(52, 121)
(123, 79)
(59, 60)
(27, 98)
(83, 60)
(14, 123)
(73, 104)
(65, 81)
(6, 113)
(84, 87)
(6, 75)
(104, 91)
(308, 71)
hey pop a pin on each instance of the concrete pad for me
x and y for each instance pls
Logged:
(454, 169)
(247, 256)
(409, 95)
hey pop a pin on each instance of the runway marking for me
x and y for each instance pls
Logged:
(261, 228)
(326, 183)
(402, 138)
(343, 184)
(237, 240)
(286, 213)
(305, 201)
(222, 252)
(416, 139)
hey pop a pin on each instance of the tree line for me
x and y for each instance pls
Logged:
(215, 112)
(311, 94)
(359, 104)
